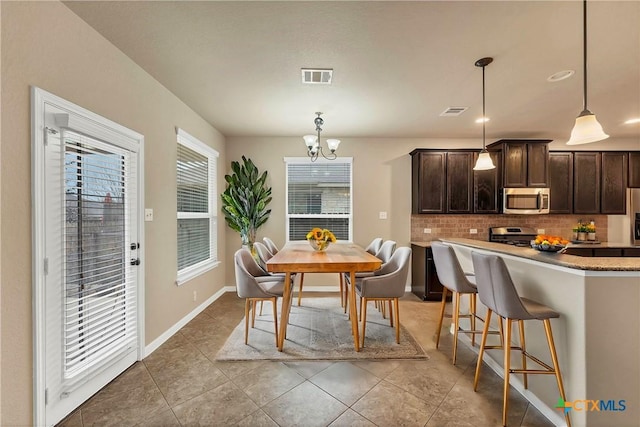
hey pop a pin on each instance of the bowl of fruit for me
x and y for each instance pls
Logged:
(547, 243)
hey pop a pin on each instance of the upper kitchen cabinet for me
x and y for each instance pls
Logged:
(561, 182)
(586, 182)
(486, 184)
(634, 169)
(613, 185)
(428, 181)
(525, 162)
(441, 181)
(460, 181)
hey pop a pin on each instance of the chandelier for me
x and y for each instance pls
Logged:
(313, 142)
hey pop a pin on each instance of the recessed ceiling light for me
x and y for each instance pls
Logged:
(632, 121)
(482, 119)
(560, 75)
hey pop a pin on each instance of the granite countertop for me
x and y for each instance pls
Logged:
(570, 261)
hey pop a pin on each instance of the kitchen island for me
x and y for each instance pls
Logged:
(597, 335)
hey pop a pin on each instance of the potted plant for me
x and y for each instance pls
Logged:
(245, 200)
(582, 231)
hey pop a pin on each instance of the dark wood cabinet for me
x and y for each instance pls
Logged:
(424, 280)
(586, 182)
(561, 182)
(459, 181)
(634, 169)
(428, 176)
(538, 164)
(442, 181)
(486, 186)
(514, 165)
(525, 163)
(613, 184)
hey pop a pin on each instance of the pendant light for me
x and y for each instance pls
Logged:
(484, 161)
(587, 129)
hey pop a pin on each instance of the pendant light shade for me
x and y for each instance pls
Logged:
(587, 129)
(484, 161)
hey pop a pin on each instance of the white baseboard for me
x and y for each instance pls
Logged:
(551, 414)
(153, 346)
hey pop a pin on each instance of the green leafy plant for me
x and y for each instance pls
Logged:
(245, 201)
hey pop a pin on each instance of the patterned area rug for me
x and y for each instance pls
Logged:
(319, 330)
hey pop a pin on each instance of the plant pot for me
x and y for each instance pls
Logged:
(591, 236)
(574, 236)
(582, 235)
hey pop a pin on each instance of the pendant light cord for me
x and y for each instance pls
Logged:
(484, 118)
(584, 54)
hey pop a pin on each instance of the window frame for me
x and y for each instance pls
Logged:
(303, 161)
(187, 273)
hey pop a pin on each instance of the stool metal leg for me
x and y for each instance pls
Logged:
(507, 369)
(524, 356)
(483, 341)
(556, 365)
(442, 307)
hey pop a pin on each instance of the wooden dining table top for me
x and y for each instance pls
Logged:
(300, 257)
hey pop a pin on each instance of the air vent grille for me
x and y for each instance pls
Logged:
(317, 76)
(453, 111)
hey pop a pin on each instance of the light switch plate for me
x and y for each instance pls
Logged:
(426, 231)
(383, 215)
(473, 231)
(540, 230)
(148, 214)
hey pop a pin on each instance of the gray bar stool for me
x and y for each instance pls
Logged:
(497, 291)
(454, 279)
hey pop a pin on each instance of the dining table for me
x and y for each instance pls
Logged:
(339, 257)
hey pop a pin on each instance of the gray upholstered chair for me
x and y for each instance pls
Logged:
(374, 246)
(251, 289)
(453, 278)
(384, 254)
(270, 245)
(387, 284)
(497, 291)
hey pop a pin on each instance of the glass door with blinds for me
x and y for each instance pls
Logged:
(91, 257)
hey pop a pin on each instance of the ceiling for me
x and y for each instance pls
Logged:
(397, 65)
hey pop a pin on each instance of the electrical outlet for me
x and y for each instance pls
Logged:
(427, 231)
(473, 231)
(195, 296)
(540, 230)
(148, 214)
(382, 215)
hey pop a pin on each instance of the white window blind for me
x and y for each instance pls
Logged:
(319, 194)
(197, 206)
(99, 291)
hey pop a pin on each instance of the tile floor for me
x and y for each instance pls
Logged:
(181, 384)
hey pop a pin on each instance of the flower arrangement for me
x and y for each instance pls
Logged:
(320, 238)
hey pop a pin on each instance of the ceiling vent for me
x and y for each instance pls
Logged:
(453, 111)
(318, 76)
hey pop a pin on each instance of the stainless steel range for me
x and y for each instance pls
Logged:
(518, 236)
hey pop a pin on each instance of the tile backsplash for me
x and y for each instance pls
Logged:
(459, 225)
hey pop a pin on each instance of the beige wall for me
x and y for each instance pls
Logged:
(46, 45)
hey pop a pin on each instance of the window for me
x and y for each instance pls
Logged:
(197, 207)
(319, 194)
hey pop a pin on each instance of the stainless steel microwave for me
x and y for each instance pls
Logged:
(527, 201)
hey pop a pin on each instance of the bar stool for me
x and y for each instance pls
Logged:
(458, 283)
(497, 291)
